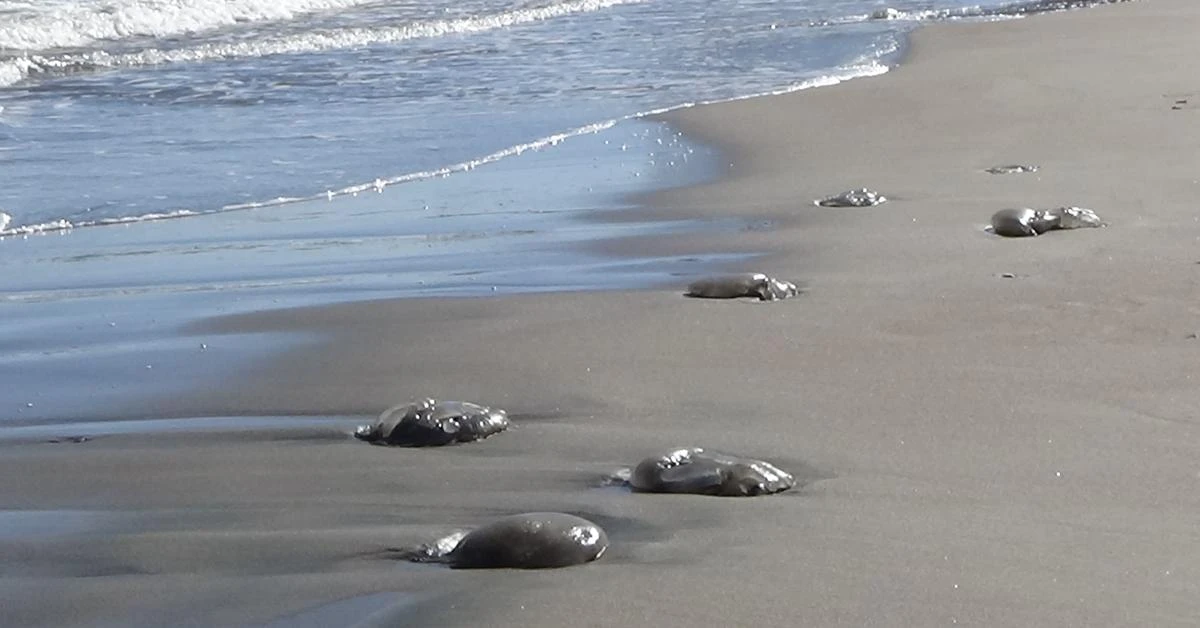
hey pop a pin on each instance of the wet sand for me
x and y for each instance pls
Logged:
(977, 449)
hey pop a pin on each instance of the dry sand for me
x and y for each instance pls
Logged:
(981, 450)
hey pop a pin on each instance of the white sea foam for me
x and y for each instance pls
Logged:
(18, 68)
(1020, 8)
(47, 25)
(863, 68)
(42, 227)
(12, 70)
(65, 225)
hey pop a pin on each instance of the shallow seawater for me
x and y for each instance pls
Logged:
(34, 525)
(372, 240)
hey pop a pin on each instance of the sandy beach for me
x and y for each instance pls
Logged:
(977, 449)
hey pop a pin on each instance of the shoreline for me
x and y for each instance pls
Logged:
(121, 300)
(982, 450)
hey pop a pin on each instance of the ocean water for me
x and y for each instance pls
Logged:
(166, 160)
(119, 110)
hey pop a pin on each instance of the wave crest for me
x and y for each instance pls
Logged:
(82, 24)
(15, 69)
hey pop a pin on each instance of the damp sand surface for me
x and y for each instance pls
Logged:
(987, 451)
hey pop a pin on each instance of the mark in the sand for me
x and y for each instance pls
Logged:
(353, 611)
(535, 540)
(1192, 336)
(695, 470)
(1011, 169)
(862, 197)
(1178, 100)
(563, 409)
(637, 541)
(429, 422)
(27, 525)
(1015, 223)
(758, 225)
(81, 432)
(69, 439)
(742, 285)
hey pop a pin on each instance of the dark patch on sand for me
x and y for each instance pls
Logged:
(803, 474)
(384, 608)
(627, 536)
(69, 439)
(740, 285)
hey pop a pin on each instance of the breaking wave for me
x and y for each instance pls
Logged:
(18, 68)
(38, 27)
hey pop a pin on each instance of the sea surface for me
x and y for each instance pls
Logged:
(166, 160)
